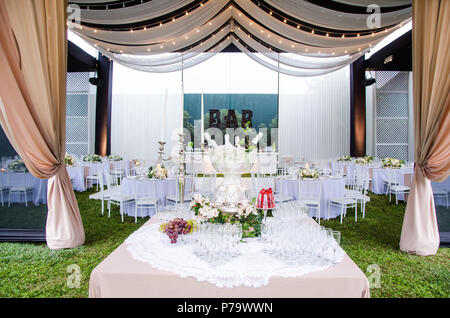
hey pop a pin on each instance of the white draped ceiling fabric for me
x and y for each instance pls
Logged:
(294, 37)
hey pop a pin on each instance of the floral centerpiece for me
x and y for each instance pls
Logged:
(369, 159)
(246, 214)
(17, 165)
(158, 173)
(309, 174)
(392, 163)
(115, 158)
(92, 158)
(344, 158)
(68, 160)
(362, 161)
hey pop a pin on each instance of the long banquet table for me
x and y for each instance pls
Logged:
(119, 275)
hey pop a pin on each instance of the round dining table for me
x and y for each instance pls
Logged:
(144, 187)
(331, 187)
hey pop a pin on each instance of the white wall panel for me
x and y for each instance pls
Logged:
(137, 104)
(314, 116)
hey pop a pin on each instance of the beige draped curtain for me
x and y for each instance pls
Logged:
(33, 65)
(431, 69)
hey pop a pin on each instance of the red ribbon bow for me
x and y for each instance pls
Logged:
(265, 199)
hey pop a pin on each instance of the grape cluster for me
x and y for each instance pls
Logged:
(177, 227)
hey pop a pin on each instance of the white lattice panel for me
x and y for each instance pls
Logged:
(392, 104)
(394, 151)
(392, 130)
(77, 113)
(392, 115)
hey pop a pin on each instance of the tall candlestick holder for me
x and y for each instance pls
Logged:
(181, 179)
(161, 153)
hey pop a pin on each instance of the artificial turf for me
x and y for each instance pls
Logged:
(33, 270)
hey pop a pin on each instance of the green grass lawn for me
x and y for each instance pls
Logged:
(32, 270)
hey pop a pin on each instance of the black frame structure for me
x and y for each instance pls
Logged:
(397, 56)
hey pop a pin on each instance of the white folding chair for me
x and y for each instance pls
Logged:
(4, 191)
(343, 203)
(145, 200)
(121, 199)
(310, 194)
(359, 191)
(98, 169)
(18, 185)
(395, 188)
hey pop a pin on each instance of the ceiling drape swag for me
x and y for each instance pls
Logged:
(431, 87)
(140, 38)
(33, 62)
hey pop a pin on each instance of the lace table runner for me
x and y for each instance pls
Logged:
(253, 268)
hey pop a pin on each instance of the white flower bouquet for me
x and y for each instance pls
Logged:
(92, 158)
(392, 163)
(158, 172)
(362, 161)
(309, 174)
(344, 158)
(68, 160)
(246, 209)
(115, 158)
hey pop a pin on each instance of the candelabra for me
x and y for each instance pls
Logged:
(181, 179)
(161, 152)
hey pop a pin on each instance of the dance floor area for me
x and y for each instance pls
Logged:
(35, 271)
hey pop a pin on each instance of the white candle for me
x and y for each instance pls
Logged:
(307, 166)
(202, 124)
(163, 118)
(227, 139)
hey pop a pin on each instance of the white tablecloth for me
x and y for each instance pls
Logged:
(78, 175)
(145, 186)
(332, 187)
(14, 179)
(381, 174)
